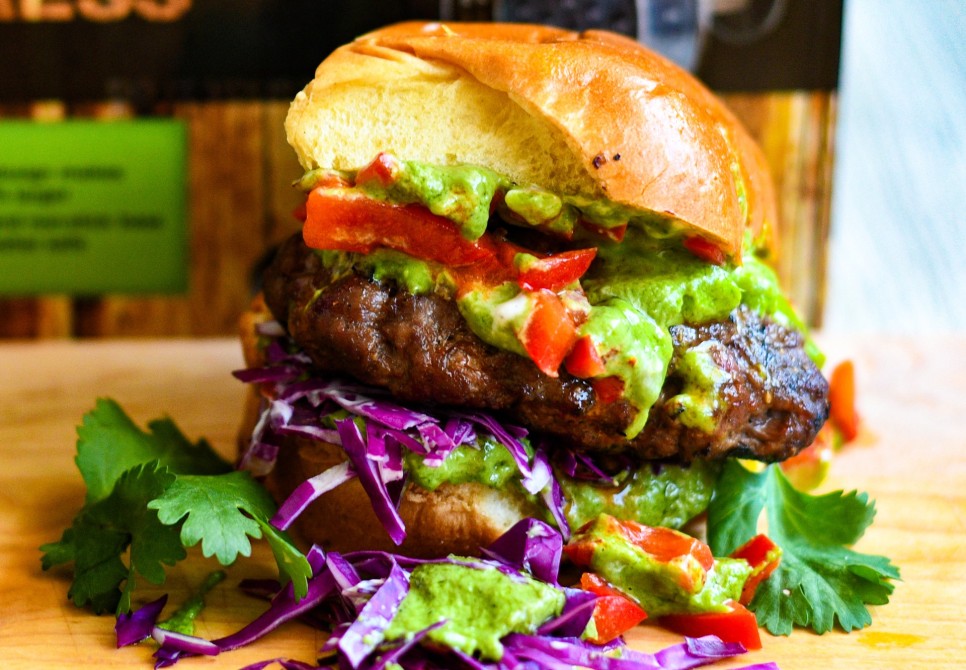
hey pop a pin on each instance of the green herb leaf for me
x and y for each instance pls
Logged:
(292, 564)
(150, 495)
(222, 512)
(212, 509)
(110, 443)
(102, 533)
(820, 582)
(183, 620)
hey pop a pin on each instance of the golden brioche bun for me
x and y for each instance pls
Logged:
(454, 518)
(593, 114)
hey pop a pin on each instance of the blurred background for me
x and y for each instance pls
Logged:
(899, 199)
(860, 106)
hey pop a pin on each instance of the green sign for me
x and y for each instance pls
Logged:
(93, 207)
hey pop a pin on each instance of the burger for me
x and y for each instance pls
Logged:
(531, 282)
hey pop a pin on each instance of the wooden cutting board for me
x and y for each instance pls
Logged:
(911, 457)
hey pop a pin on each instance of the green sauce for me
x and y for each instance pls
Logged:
(461, 193)
(658, 586)
(487, 463)
(637, 289)
(479, 607)
(670, 496)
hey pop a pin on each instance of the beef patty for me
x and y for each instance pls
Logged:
(419, 348)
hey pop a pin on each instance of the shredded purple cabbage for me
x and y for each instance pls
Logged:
(136, 626)
(361, 638)
(185, 644)
(303, 405)
(530, 546)
(356, 595)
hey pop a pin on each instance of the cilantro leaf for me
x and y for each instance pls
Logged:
(150, 495)
(222, 512)
(102, 533)
(110, 443)
(292, 564)
(820, 581)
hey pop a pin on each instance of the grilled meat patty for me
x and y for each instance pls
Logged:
(420, 349)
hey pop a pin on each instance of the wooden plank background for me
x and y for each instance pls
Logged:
(240, 200)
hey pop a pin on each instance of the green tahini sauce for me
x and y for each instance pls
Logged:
(669, 496)
(636, 290)
(479, 607)
(655, 584)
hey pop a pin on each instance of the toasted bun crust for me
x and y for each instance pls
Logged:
(455, 518)
(592, 114)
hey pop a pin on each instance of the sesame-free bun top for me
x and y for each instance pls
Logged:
(592, 114)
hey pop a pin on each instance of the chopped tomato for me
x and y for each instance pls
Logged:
(549, 332)
(614, 613)
(704, 249)
(382, 169)
(557, 271)
(691, 556)
(763, 556)
(738, 624)
(841, 395)
(608, 389)
(583, 360)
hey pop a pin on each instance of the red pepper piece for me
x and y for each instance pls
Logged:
(383, 169)
(841, 395)
(705, 250)
(608, 389)
(347, 221)
(614, 613)
(557, 271)
(583, 360)
(736, 625)
(549, 333)
(763, 556)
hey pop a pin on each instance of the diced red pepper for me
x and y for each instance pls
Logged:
(614, 613)
(738, 624)
(841, 395)
(608, 389)
(347, 221)
(383, 169)
(549, 333)
(763, 556)
(557, 271)
(583, 360)
(705, 250)
(663, 544)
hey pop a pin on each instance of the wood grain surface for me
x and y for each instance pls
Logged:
(911, 457)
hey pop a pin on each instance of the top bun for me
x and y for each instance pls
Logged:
(593, 114)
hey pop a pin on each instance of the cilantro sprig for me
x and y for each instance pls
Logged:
(820, 581)
(150, 495)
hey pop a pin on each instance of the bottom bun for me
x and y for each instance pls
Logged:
(452, 519)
